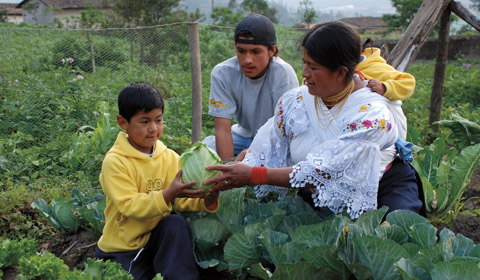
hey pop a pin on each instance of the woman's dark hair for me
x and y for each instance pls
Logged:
(139, 96)
(333, 45)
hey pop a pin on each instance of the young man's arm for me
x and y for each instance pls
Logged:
(223, 138)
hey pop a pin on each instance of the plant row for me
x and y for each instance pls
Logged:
(32, 265)
(290, 240)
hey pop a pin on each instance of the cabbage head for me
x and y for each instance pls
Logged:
(193, 163)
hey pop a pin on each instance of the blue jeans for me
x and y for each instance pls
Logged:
(240, 143)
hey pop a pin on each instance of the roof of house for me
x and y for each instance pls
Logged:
(10, 7)
(68, 4)
(365, 22)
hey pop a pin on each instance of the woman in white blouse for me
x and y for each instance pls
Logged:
(332, 138)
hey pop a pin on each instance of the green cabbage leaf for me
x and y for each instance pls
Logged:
(193, 163)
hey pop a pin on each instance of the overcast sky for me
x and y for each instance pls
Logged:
(364, 7)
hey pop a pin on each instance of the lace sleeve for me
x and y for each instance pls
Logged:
(345, 174)
(270, 147)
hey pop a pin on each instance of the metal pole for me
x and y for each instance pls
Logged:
(194, 44)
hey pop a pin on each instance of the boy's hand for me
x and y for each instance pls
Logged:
(179, 189)
(377, 86)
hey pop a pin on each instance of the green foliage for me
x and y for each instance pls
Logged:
(465, 133)
(445, 174)
(12, 251)
(93, 141)
(152, 12)
(193, 162)
(458, 101)
(107, 52)
(260, 7)
(225, 16)
(309, 13)
(406, 11)
(3, 15)
(21, 254)
(289, 240)
(47, 266)
(69, 215)
(98, 269)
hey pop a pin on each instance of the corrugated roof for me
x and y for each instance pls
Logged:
(365, 22)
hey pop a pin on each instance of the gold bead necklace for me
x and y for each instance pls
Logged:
(329, 114)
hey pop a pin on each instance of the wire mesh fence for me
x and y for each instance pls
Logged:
(57, 83)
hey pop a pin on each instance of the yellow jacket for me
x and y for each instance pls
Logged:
(133, 182)
(399, 85)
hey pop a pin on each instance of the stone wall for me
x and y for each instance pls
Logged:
(468, 46)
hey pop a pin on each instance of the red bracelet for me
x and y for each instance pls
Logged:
(259, 175)
(212, 207)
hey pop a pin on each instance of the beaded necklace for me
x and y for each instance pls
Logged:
(329, 114)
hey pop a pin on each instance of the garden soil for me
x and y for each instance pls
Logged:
(75, 249)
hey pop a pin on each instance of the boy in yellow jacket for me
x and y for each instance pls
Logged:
(141, 180)
(384, 78)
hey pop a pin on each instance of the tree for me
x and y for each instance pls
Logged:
(309, 13)
(153, 12)
(225, 16)
(3, 15)
(260, 7)
(406, 10)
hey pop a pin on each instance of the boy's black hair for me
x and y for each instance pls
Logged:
(139, 96)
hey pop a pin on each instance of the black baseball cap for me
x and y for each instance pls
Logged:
(261, 28)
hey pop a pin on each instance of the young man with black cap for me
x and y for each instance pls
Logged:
(246, 87)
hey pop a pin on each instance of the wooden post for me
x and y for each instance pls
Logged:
(194, 44)
(440, 66)
(407, 49)
(471, 18)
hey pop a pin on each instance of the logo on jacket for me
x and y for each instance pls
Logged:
(154, 185)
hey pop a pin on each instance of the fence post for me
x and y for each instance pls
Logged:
(440, 66)
(194, 44)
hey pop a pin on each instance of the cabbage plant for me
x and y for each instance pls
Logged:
(193, 163)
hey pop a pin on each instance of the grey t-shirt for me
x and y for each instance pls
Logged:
(250, 101)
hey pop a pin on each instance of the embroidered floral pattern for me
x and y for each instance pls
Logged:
(381, 124)
(364, 108)
(280, 123)
(217, 104)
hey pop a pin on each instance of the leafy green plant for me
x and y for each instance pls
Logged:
(60, 214)
(446, 170)
(289, 240)
(98, 269)
(90, 144)
(11, 251)
(465, 133)
(47, 266)
(193, 163)
(69, 215)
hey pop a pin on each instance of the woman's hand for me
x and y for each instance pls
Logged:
(234, 174)
(241, 155)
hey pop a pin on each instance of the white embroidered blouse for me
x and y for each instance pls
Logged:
(343, 162)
